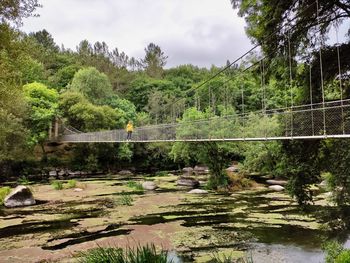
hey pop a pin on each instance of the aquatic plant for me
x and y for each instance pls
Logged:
(140, 254)
(125, 199)
(57, 185)
(4, 191)
(134, 185)
(71, 183)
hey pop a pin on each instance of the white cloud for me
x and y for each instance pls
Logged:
(200, 32)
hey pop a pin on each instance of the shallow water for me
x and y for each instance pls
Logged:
(268, 225)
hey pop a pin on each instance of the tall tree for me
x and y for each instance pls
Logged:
(154, 60)
(15, 10)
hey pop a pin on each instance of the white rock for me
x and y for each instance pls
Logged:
(277, 188)
(77, 190)
(276, 182)
(20, 196)
(197, 191)
(149, 185)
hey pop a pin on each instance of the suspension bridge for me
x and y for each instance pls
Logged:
(320, 120)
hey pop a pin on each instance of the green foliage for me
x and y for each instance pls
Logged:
(57, 185)
(134, 185)
(154, 61)
(23, 180)
(125, 199)
(4, 191)
(94, 85)
(140, 254)
(14, 11)
(71, 184)
(43, 104)
(335, 253)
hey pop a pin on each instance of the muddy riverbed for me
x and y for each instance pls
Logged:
(259, 224)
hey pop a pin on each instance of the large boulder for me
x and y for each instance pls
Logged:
(276, 182)
(125, 172)
(187, 181)
(20, 196)
(148, 185)
(197, 191)
(187, 170)
(199, 169)
(232, 169)
(277, 188)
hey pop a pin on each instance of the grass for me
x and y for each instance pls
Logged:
(57, 185)
(125, 199)
(23, 180)
(161, 173)
(71, 184)
(134, 185)
(4, 191)
(217, 258)
(140, 254)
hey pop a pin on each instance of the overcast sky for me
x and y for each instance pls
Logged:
(200, 32)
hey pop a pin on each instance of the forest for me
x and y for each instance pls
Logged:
(96, 87)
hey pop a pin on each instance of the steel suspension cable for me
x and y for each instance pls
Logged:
(340, 80)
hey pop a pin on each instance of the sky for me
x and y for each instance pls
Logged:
(199, 32)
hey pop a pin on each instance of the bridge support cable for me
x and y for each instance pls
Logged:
(321, 65)
(290, 84)
(340, 79)
(311, 99)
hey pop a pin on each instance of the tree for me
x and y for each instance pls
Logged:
(43, 105)
(15, 10)
(45, 39)
(154, 61)
(93, 84)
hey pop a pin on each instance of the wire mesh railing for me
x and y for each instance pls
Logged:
(331, 119)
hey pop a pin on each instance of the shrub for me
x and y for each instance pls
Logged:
(71, 184)
(57, 185)
(4, 191)
(161, 173)
(134, 185)
(140, 254)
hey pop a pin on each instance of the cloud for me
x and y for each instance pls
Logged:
(200, 32)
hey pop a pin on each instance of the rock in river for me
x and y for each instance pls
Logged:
(149, 185)
(277, 188)
(276, 182)
(197, 191)
(20, 196)
(188, 181)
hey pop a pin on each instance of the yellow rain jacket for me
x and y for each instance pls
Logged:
(129, 127)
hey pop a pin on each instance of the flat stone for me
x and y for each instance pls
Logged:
(149, 185)
(276, 182)
(197, 191)
(53, 173)
(277, 188)
(20, 196)
(188, 170)
(77, 190)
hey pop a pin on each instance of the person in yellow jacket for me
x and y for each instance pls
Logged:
(129, 130)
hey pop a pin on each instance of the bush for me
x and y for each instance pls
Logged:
(4, 191)
(140, 254)
(71, 184)
(57, 185)
(134, 185)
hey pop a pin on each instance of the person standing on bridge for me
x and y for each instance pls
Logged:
(129, 130)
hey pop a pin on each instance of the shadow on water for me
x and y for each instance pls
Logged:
(85, 236)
